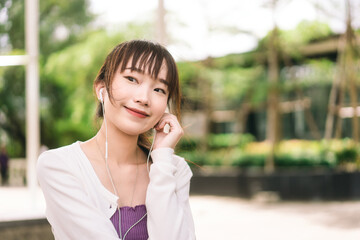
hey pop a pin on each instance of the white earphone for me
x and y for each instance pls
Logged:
(101, 99)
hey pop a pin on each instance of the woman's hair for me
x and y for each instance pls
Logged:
(149, 57)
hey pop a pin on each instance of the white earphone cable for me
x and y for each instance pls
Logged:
(107, 165)
(110, 176)
(148, 157)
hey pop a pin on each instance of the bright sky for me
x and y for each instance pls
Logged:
(188, 22)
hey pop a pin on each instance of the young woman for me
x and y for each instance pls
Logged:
(116, 185)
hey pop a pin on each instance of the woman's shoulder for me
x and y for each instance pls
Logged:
(57, 158)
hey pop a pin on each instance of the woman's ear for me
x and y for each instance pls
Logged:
(100, 91)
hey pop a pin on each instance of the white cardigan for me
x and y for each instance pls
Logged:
(78, 206)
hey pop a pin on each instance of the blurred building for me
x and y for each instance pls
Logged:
(303, 110)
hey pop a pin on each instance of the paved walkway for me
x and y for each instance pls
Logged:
(225, 218)
(219, 218)
(18, 203)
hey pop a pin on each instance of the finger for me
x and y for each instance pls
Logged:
(171, 120)
(162, 124)
(173, 127)
(167, 125)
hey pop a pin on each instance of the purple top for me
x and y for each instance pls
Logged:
(129, 216)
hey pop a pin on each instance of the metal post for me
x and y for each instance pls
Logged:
(160, 26)
(32, 89)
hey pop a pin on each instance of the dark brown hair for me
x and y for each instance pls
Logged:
(149, 57)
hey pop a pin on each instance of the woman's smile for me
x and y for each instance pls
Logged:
(136, 112)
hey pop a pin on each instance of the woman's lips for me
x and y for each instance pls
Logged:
(136, 112)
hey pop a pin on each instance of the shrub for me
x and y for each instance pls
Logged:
(188, 144)
(250, 160)
(347, 155)
(217, 141)
(195, 158)
(242, 151)
(300, 161)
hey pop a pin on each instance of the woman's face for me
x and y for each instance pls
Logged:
(139, 100)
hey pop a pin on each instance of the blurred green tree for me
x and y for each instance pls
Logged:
(61, 24)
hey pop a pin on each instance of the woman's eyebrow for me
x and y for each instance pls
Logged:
(142, 72)
(135, 69)
(164, 81)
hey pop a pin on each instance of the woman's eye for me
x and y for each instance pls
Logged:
(160, 90)
(131, 79)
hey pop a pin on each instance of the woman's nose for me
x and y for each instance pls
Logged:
(142, 95)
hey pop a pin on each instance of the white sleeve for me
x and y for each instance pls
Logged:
(167, 198)
(68, 208)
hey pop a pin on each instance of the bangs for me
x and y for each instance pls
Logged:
(148, 60)
(148, 57)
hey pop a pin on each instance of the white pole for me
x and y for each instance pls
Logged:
(160, 23)
(32, 90)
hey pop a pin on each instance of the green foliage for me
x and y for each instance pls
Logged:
(239, 82)
(228, 86)
(12, 107)
(220, 157)
(189, 71)
(195, 157)
(289, 42)
(68, 17)
(223, 149)
(249, 160)
(190, 80)
(217, 141)
(345, 150)
(230, 150)
(245, 60)
(347, 155)
(307, 31)
(287, 160)
(187, 144)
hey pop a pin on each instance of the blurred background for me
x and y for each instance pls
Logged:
(270, 102)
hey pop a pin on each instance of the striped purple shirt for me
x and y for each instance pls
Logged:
(129, 216)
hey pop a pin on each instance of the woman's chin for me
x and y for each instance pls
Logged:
(135, 132)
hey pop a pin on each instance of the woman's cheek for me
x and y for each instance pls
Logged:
(158, 117)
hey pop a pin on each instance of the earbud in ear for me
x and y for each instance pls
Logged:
(101, 99)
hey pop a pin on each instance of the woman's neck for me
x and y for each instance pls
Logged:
(122, 148)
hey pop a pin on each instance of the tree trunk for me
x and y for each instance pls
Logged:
(350, 74)
(332, 107)
(272, 131)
